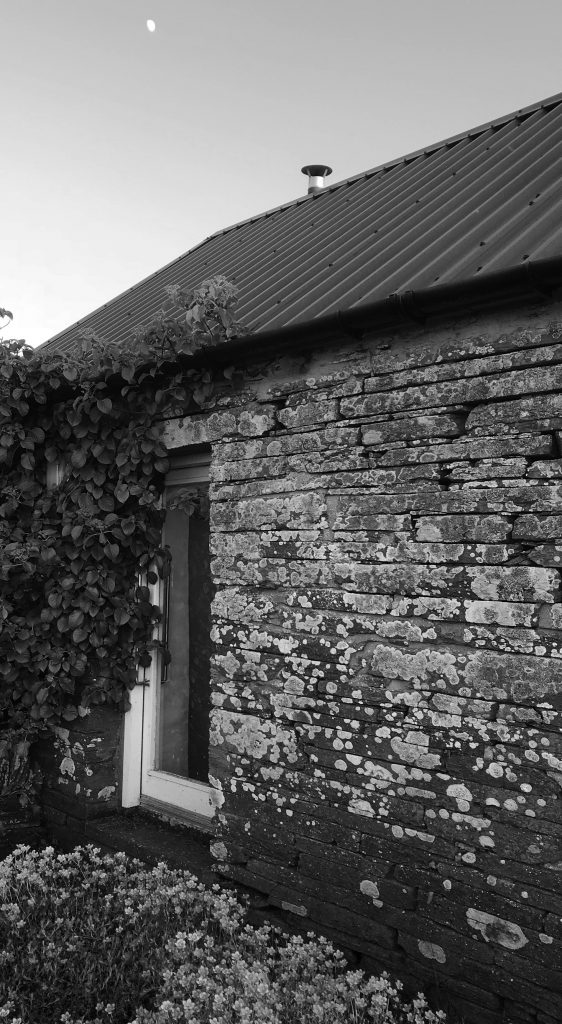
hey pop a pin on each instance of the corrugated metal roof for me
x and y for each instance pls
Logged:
(482, 202)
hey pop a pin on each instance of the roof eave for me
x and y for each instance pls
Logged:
(540, 281)
(530, 282)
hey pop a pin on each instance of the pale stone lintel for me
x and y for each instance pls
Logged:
(204, 429)
(185, 432)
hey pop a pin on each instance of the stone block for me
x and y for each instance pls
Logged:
(537, 527)
(306, 414)
(409, 429)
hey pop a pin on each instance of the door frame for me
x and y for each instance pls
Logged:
(142, 783)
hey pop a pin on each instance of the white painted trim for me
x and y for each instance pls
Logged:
(170, 812)
(54, 475)
(188, 469)
(186, 794)
(140, 778)
(132, 750)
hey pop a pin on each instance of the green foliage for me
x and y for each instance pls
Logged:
(79, 928)
(83, 466)
(86, 939)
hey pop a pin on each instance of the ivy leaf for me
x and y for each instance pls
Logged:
(86, 502)
(121, 492)
(78, 458)
(127, 373)
(70, 598)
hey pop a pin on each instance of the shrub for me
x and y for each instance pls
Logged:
(88, 939)
(80, 928)
(261, 975)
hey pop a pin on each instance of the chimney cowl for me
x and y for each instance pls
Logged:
(316, 174)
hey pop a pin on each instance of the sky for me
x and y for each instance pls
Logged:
(123, 148)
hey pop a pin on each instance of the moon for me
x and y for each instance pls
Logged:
(151, 25)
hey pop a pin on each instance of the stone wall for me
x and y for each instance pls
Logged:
(81, 769)
(18, 815)
(387, 541)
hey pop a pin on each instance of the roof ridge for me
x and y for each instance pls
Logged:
(497, 122)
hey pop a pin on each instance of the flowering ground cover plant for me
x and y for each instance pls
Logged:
(92, 939)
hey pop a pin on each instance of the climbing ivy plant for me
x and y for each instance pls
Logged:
(82, 466)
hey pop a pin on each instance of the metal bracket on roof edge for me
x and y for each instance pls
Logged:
(406, 304)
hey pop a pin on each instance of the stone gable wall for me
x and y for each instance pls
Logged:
(387, 540)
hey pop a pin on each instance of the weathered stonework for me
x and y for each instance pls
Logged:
(18, 818)
(81, 773)
(388, 658)
(386, 521)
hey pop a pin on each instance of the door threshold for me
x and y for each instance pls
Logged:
(178, 815)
